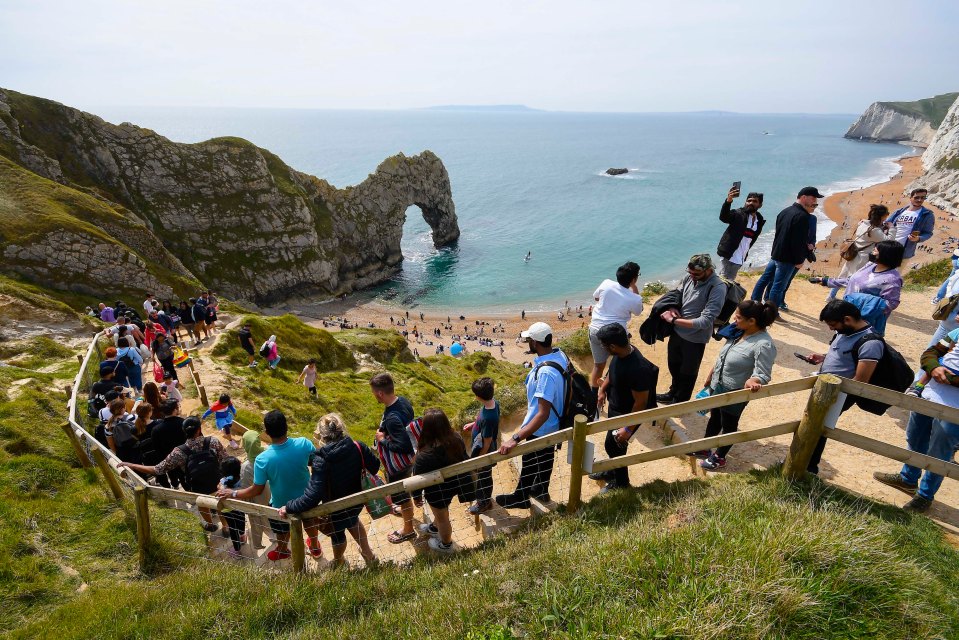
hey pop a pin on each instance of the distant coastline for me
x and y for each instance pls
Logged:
(498, 108)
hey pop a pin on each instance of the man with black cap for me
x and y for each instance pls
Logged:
(792, 246)
(743, 227)
(704, 293)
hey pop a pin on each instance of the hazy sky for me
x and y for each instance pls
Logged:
(608, 55)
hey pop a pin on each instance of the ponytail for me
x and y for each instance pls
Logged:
(764, 313)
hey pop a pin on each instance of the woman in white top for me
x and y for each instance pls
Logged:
(868, 234)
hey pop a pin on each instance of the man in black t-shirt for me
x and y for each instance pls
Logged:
(246, 341)
(630, 386)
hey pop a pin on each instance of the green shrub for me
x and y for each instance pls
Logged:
(383, 345)
(930, 275)
(577, 343)
(296, 343)
(653, 289)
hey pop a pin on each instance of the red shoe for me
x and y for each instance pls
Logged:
(317, 552)
(275, 555)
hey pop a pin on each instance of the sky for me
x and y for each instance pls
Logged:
(633, 55)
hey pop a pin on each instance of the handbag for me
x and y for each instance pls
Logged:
(945, 307)
(848, 251)
(377, 507)
(158, 372)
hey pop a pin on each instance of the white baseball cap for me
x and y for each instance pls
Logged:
(537, 331)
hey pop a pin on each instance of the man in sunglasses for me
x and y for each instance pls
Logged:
(704, 293)
(743, 227)
(913, 223)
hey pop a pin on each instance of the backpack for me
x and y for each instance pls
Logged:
(735, 293)
(162, 348)
(578, 398)
(94, 405)
(892, 372)
(202, 469)
(397, 463)
(123, 430)
(265, 350)
(127, 359)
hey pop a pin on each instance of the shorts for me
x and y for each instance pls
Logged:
(343, 520)
(248, 348)
(401, 497)
(600, 354)
(440, 496)
(279, 527)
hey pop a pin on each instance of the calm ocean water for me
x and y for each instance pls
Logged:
(533, 181)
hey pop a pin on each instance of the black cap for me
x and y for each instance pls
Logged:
(810, 191)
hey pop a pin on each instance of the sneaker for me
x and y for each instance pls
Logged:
(439, 546)
(713, 462)
(665, 398)
(252, 365)
(209, 527)
(702, 454)
(918, 504)
(233, 444)
(612, 486)
(543, 497)
(275, 555)
(511, 501)
(428, 530)
(233, 553)
(784, 307)
(915, 390)
(936, 300)
(480, 507)
(895, 480)
(317, 551)
(605, 476)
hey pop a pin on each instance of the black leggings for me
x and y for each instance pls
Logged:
(723, 422)
(237, 522)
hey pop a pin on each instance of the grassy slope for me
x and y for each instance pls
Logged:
(929, 275)
(932, 109)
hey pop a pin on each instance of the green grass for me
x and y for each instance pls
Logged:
(930, 275)
(35, 352)
(576, 344)
(932, 109)
(653, 290)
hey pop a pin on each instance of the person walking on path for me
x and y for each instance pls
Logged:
(616, 300)
(395, 448)
(484, 435)
(629, 387)
(913, 223)
(284, 465)
(130, 356)
(246, 342)
(545, 389)
(223, 412)
(308, 377)
(868, 234)
(791, 247)
(745, 362)
(743, 226)
(703, 295)
(337, 471)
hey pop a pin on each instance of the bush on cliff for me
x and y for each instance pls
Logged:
(296, 343)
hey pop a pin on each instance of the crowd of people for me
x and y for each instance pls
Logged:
(295, 474)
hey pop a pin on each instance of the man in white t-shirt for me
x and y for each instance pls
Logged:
(743, 227)
(913, 224)
(616, 301)
(150, 304)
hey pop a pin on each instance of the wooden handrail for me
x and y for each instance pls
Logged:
(920, 460)
(901, 400)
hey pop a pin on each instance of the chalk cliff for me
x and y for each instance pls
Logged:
(914, 122)
(941, 164)
(85, 204)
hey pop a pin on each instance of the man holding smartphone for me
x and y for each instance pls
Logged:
(743, 227)
(914, 223)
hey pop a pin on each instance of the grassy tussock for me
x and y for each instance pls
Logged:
(930, 275)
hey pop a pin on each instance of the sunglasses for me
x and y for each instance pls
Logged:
(919, 197)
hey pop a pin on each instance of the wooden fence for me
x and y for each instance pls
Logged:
(827, 392)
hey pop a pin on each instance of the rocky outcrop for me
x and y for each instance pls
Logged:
(941, 164)
(616, 172)
(881, 123)
(225, 212)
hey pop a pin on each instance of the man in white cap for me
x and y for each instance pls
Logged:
(545, 392)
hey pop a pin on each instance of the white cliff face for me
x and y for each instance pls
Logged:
(941, 163)
(882, 123)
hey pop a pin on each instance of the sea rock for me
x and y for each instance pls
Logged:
(941, 164)
(616, 172)
(224, 213)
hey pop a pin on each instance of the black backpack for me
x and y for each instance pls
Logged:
(127, 360)
(265, 350)
(202, 468)
(735, 294)
(578, 398)
(892, 372)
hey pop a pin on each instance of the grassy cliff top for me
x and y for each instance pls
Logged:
(932, 109)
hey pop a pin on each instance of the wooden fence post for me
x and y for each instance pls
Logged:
(141, 498)
(77, 447)
(108, 474)
(823, 396)
(576, 468)
(203, 399)
(297, 547)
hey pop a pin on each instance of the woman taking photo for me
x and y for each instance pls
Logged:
(745, 362)
(868, 234)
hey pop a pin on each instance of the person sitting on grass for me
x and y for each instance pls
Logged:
(484, 434)
(308, 377)
(337, 472)
(223, 412)
(234, 521)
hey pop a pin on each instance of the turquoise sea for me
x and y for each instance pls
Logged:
(534, 181)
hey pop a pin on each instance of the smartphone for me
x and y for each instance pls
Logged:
(804, 358)
(736, 186)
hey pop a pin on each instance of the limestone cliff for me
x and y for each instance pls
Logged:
(941, 164)
(913, 122)
(222, 212)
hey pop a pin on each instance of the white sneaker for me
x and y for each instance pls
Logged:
(437, 545)
(428, 530)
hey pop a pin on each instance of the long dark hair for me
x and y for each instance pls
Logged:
(437, 432)
(877, 213)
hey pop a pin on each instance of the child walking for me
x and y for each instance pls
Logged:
(308, 376)
(223, 412)
(485, 438)
(234, 522)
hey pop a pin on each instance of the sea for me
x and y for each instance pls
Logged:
(533, 183)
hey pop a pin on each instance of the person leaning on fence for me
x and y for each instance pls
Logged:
(395, 448)
(630, 386)
(744, 362)
(337, 472)
(844, 318)
(440, 447)
(285, 466)
(484, 435)
(259, 525)
(199, 458)
(545, 397)
(933, 437)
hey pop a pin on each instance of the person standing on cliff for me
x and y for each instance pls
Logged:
(913, 224)
(743, 227)
(792, 246)
(616, 301)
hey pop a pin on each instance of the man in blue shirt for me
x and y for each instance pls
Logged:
(545, 393)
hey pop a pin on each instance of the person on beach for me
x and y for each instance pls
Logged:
(545, 389)
(851, 330)
(791, 247)
(629, 387)
(440, 447)
(337, 470)
(484, 435)
(308, 377)
(616, 300)
(395, 449)
(703, 296)
(223, 413)
(868, 234)
(743, 227)
(913, 223)
(745, 362)
(246, 342)
(879, 280)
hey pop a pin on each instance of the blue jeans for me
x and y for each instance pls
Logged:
(936, 438)
(777, 277)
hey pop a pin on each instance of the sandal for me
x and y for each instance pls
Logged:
(396, 510)
(396, 537)
(316, 552)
